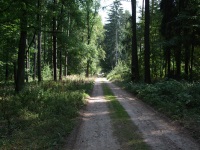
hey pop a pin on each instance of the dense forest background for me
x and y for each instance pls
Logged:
(167, 37)
(45, 38)
(56, 38)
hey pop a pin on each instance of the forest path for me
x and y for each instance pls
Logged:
(157, 131)
(96, 133)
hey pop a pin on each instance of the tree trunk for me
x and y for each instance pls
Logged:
(187, 59)
(66, 53)
(178, 63)
(142, 9)
(65, 70)
(134, 65)
(15, 72)
(27, 64)
(39, 44)
(6, 73)
(87, 69)
(168, 60)
(44, 47)
(6, 67)
(35, 62)
(147, 76)
(22, 48)
(88, 40)
(192, 62)
(60, 67)
(54, 45)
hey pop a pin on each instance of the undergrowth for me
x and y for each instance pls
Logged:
(42, 115)
(126, 132)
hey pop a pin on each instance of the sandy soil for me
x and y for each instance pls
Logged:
(158, 132)
(95, 131)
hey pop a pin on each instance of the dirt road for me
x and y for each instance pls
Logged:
(96, 131)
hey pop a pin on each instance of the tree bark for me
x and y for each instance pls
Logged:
(65, 70)
(22, 48)
(54, 45)
(60, 67)
(35, 62)
(168, 60)
(187, 59)
(134, 65)
(27, 64)
(88, 40)
(178, 63)
(6, 73)
(142, 8)
(147, 76)
(39, 44)
(192, 62)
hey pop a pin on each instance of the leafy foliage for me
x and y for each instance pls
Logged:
(121, 72)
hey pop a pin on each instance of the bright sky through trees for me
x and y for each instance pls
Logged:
(107, 3)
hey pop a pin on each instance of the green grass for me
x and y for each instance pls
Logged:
(126, 132)
(42, 115)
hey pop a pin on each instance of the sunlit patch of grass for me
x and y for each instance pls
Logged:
(126, 132)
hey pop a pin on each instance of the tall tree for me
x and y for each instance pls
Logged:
(147, 76)
(39, 41)
(54, 31)
(134, 65)
(22, 48)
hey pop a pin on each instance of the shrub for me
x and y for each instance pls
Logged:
(41, 115)
(121, 72)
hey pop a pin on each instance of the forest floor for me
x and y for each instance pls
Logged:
(95, 131)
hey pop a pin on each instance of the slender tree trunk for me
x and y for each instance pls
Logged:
(66, 53)
(152, 7)
(39, 44)
(65, 70)
(60, 67)
(178, 63)
(187, 59)
(88, 41)
(6, 67)
(34, 65)
(147, 76)
(27, 64)
(6, 73)
(44, 46)
(22, 48)
(142, 8)
(54, 45)
(134, 65)
(15, 72)
(168, 60)
(192, 62)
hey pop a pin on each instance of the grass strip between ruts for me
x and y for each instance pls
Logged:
(126, 132)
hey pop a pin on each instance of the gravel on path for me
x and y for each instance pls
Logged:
(157, 131)
(95, 132)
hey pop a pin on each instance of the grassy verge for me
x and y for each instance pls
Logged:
(42, 115)
(126, 132)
